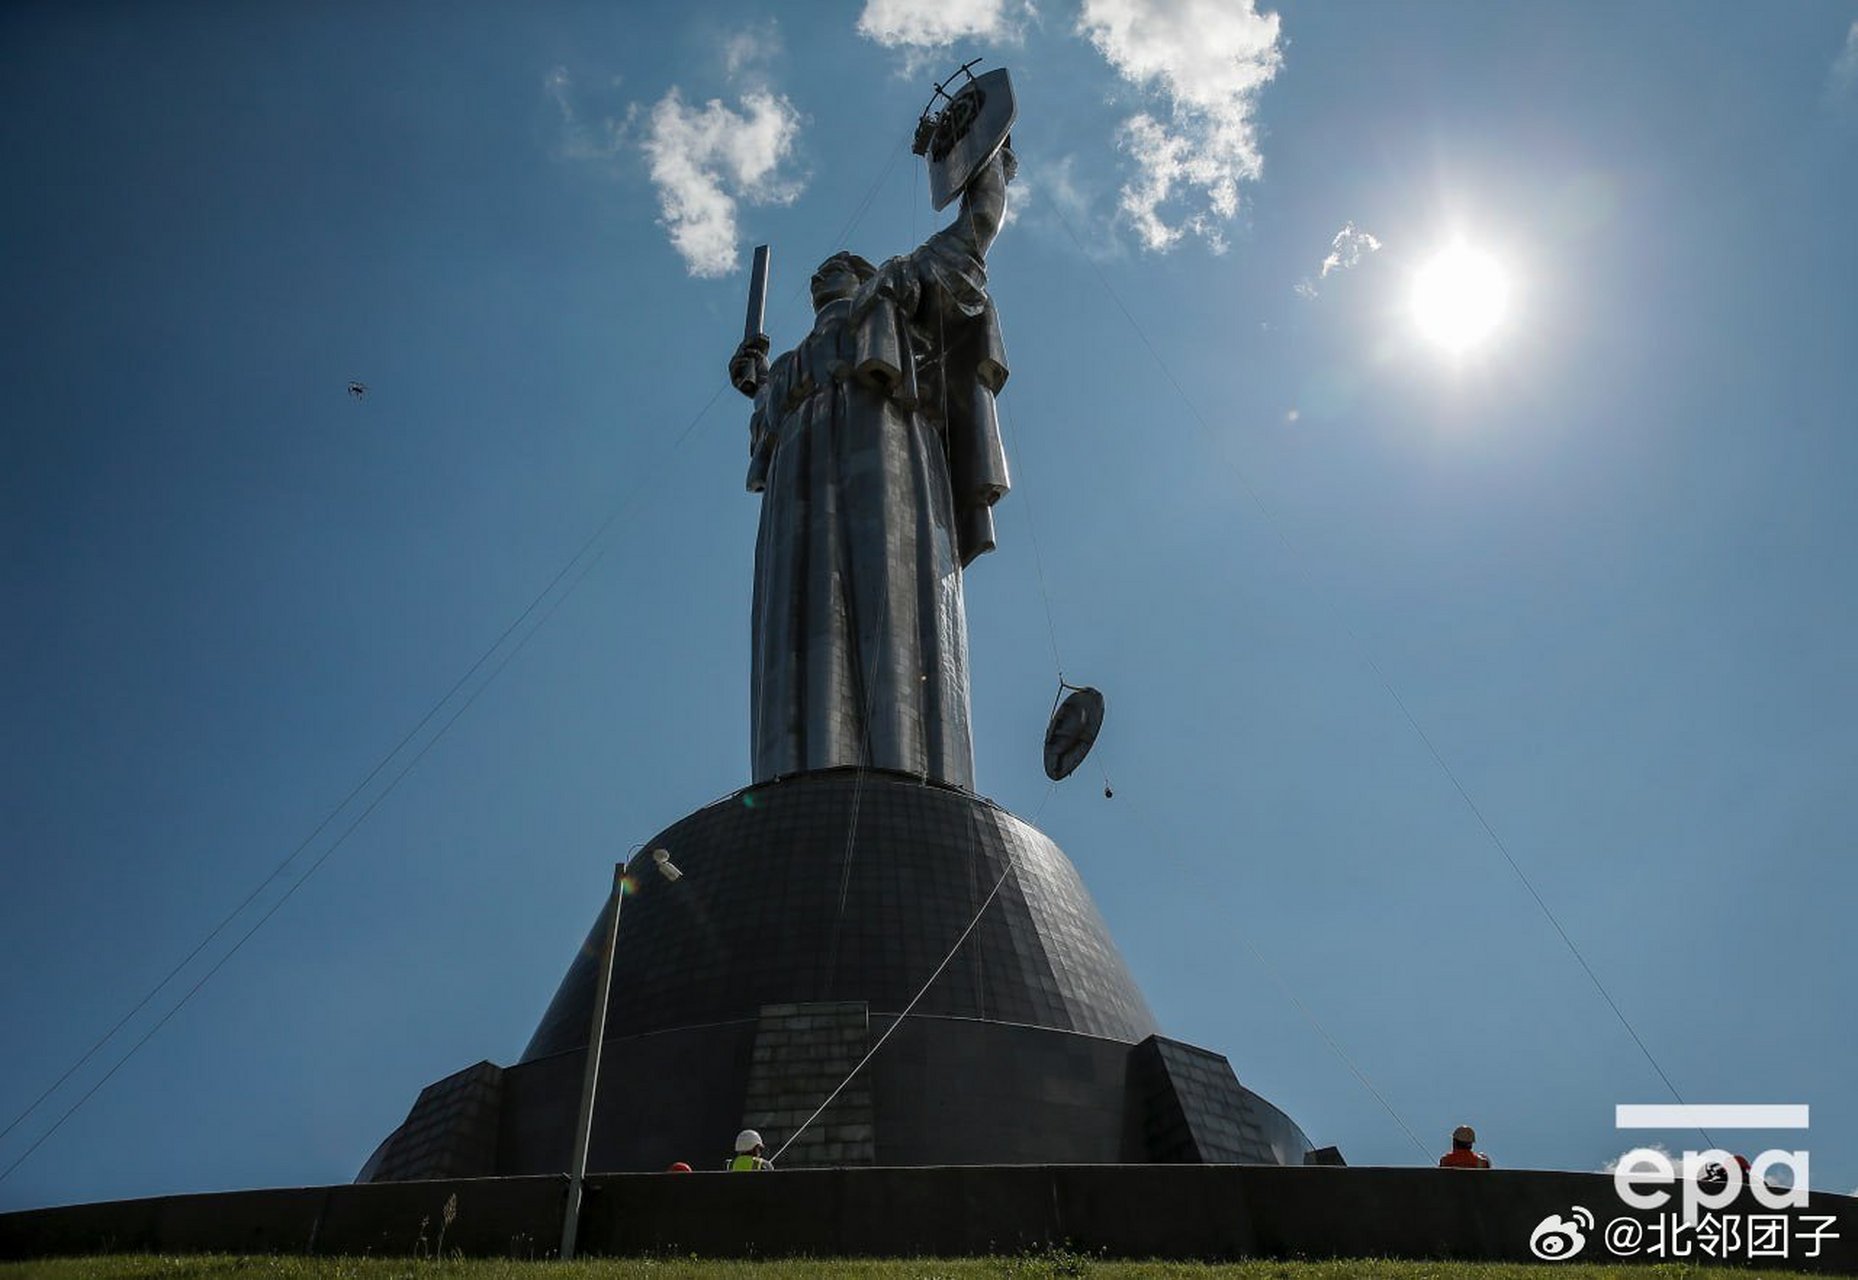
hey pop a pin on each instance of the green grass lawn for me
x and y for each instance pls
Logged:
(1041, 1266)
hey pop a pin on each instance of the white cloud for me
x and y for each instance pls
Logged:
(705, 160)
(1205, 61)
(1059, 179)
(1845, 66)
(582, 139)
(929, 24)
(748, 52)
(1065, 205)
(1346, 250)
(1612, 1166)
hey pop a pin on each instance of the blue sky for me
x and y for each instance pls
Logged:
(1601, 557)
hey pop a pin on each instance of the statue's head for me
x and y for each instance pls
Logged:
(839, 277)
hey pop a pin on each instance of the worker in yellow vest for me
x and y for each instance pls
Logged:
(748, 1151)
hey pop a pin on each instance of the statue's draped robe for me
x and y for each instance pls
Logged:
(876, 450)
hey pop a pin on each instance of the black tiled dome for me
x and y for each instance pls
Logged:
(771, 911)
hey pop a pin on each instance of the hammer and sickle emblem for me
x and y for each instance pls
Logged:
(956, 121)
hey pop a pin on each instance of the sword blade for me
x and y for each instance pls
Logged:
(757, 294)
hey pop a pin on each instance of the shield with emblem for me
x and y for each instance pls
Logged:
(970, 129)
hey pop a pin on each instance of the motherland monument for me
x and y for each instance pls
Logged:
(857, 954)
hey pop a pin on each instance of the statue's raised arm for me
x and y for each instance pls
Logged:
(969, 147)
(983, 200)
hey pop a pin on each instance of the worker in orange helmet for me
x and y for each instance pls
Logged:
(1461, 1156)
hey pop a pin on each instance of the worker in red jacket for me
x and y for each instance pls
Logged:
(1461, 1156)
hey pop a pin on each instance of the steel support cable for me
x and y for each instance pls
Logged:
(321, 826)
(1045, 596)
(1503, 849)
(1058, 664)
(271, 911)
(1309, 1017)
(920, 992)
(1211, 894)
(857, 214)
(1387, 685)
(864, 205)
(579, 556)
(1271, 969)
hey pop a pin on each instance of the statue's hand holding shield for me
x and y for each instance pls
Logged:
(976, 125)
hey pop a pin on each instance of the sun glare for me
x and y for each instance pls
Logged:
(1459, 298)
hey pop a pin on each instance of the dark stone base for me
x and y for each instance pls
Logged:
(1209, 1212)
(810, 914)
(942, 1091)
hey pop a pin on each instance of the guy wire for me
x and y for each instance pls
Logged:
(1211, 894)
(851, 223)
(871, 1053)
(1297, 558)
(864, 205)
(581, 554)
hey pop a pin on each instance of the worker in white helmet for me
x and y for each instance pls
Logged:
(1462, 1155)
(748, 1151)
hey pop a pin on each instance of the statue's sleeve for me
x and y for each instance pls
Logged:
(976, 372)
(962, 330)
(764, 423)
(883, 351)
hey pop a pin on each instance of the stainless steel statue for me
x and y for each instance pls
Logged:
(876, 451)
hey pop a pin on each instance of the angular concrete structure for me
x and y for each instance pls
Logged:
(811, 911)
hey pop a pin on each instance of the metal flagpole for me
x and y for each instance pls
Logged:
(583, 1128)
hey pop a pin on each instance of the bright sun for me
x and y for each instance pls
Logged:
(1459, 298)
